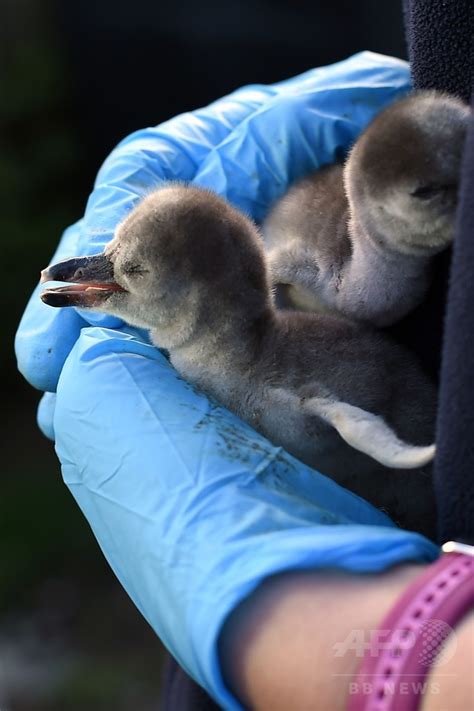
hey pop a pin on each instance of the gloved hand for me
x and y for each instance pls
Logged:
(191, 507)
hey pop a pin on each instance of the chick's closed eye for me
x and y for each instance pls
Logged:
(133, 269)
(431, 190)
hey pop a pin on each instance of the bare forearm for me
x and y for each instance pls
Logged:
(290, 645)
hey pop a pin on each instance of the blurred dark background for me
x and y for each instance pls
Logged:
(76, 77)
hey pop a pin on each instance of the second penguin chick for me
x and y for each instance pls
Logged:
(191, 268)
(359, 239)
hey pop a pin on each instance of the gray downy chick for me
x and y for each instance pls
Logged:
(343, 399)
(359, 239)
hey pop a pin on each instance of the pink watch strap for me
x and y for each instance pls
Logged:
(391, 676)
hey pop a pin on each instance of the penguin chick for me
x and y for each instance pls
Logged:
(359, 239)
(191, 269)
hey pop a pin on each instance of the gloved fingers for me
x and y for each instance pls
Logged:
(326, 107)
(191, 507)
(307, 124)
(45, 415)
(174, 150)
(47, 404)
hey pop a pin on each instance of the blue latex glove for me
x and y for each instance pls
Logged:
(191, 507)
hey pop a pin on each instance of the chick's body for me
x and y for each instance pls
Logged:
(359, 239)
(296, 357)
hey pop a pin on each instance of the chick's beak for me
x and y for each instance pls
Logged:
(92, 281)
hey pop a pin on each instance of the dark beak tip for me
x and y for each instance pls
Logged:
(94, 268)
(49, 298)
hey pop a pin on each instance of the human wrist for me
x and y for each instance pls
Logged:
(419, 632)
(292, 642)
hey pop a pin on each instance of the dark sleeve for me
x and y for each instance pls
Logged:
(454, 465)
(181, 693)
(439, 36)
